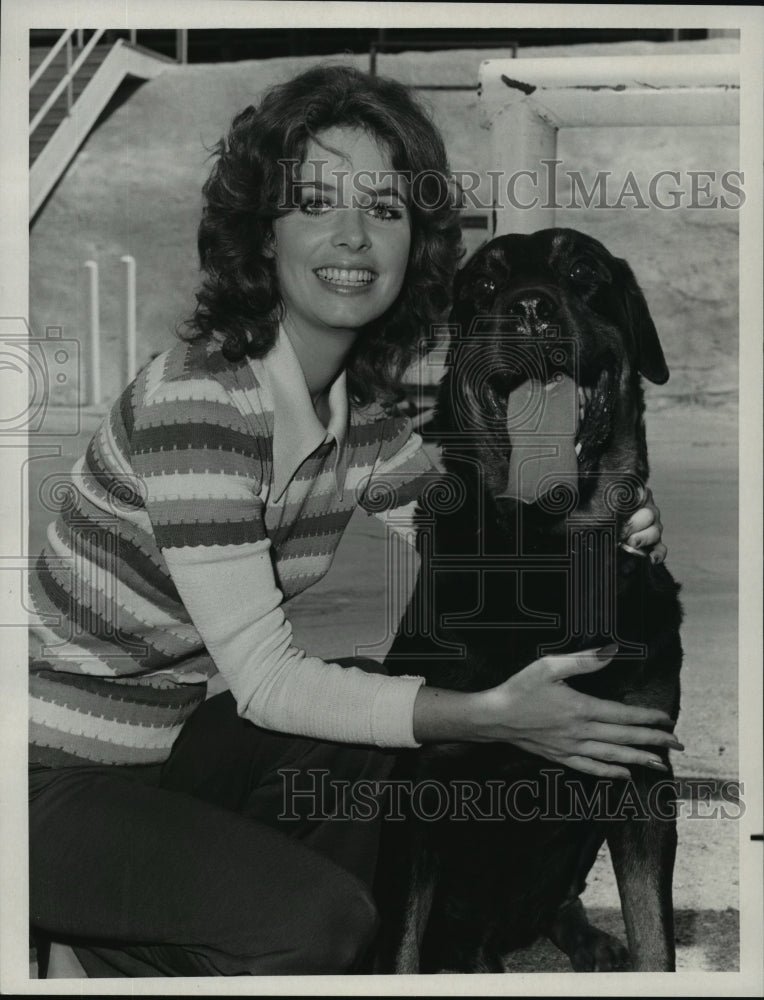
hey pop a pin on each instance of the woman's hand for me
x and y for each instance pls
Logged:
(537, 711)
(644, 530)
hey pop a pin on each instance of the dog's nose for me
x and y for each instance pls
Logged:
(533, 304)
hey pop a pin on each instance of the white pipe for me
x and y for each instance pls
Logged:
(609, 71)
(130, 334)
(94, 368)
(608, 78)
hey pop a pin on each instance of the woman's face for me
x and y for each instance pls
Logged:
(341, 256)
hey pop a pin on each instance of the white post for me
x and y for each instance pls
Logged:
(525, 102)
(94, 369)
(130, 334)
(525, 144)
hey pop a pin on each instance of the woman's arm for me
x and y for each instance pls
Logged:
(231, 596)
(201, 472)
(537, 711)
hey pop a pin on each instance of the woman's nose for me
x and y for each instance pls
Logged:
(350, 229)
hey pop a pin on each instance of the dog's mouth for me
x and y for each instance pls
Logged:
(585, 395)
(553, 427)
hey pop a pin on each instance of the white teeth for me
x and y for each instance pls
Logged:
(585, 395)
(346, 276)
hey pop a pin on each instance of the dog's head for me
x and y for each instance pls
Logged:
(554, 310)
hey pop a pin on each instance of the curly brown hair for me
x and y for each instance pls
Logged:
(247, 189)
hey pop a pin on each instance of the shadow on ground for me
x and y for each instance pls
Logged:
(706, 940)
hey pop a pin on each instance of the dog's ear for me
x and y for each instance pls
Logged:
(652, 363)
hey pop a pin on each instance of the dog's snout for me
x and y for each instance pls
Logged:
(533, 304)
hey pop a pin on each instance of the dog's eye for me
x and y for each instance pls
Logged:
(581, 271)
(485, 286)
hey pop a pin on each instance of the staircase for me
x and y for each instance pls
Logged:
(87, 77)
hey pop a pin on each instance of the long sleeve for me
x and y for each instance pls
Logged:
(232, 598)
(202, 479)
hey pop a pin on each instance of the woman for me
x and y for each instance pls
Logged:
(217, 488)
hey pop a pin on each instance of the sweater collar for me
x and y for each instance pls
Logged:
(297, 431)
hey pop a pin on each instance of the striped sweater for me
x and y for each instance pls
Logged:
(209, 496)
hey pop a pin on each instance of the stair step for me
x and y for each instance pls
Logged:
(56, 114)
(46, 85)
(57, 68)
(34, 151)
(36, 101)
(50, 80)
(37, 53)
(39, 97)
(46, 128)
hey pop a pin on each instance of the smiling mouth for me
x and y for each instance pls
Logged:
(350, 277)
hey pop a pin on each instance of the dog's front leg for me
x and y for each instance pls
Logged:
(588, 948)
(405, 886)
(643, 851)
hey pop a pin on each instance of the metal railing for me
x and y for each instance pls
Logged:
(65, 39)
(74, 38)
(65, 83)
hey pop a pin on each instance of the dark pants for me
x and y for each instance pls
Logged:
(187, 870)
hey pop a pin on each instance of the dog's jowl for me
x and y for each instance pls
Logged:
(540, 420)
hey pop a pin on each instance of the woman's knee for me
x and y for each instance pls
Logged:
(348, 930)
(331, 938)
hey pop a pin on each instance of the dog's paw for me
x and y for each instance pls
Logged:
(597, 951)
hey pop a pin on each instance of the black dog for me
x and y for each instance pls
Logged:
(520, 560)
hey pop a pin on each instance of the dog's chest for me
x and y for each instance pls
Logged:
(506, 598)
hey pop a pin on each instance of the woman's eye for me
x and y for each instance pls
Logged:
(386, 212)
(315, 206)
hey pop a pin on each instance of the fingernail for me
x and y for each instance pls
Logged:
(677, 746)
(657, 764)
(606, 652)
